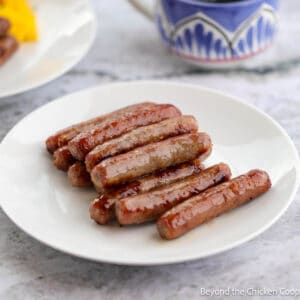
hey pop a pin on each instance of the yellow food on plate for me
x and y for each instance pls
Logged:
(22, 19)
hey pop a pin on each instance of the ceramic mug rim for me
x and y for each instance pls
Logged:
(220, 5)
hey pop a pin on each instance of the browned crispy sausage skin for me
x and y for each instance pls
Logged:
(62, 137)
(102, 209)
(150, 158)
(111, 128)
(63, 159)
(78, 175)
(8, 46)
(149, 206)
(140, 137)
(211, 203)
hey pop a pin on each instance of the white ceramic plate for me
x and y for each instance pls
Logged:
(38, 198)
(66, 31)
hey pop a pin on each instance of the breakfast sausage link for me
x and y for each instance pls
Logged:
(63, 159)
(4, 26)
(149, 206)
(84, 142)
(102, 209)
(8, 46)
(212, 203)
(78, 175)
(147, 159)
(140, 137)
(62, 137)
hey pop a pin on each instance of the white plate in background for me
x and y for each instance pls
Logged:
(66, 31)
(39, 199)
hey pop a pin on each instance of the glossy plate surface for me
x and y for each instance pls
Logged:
(66, 32)
(39, 199)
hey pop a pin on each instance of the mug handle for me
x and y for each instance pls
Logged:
(146, 10)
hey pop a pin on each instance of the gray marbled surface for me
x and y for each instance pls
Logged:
(127, 48)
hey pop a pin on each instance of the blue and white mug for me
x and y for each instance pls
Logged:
(211, 33)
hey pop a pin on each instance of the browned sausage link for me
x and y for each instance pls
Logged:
(212, 203)
(149, 206)
(62, 137)
(78, 175)
(4, 26)
(140, 137)
(161, 177)
(84, 142)
(63, 159)
(8, 46)
(206, 153)
(102, 209)
(147, 159)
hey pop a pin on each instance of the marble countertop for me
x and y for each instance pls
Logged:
(127, 48)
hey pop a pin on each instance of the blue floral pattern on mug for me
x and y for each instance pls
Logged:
(212, 32)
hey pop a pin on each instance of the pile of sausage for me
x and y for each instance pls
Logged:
(145, 161)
